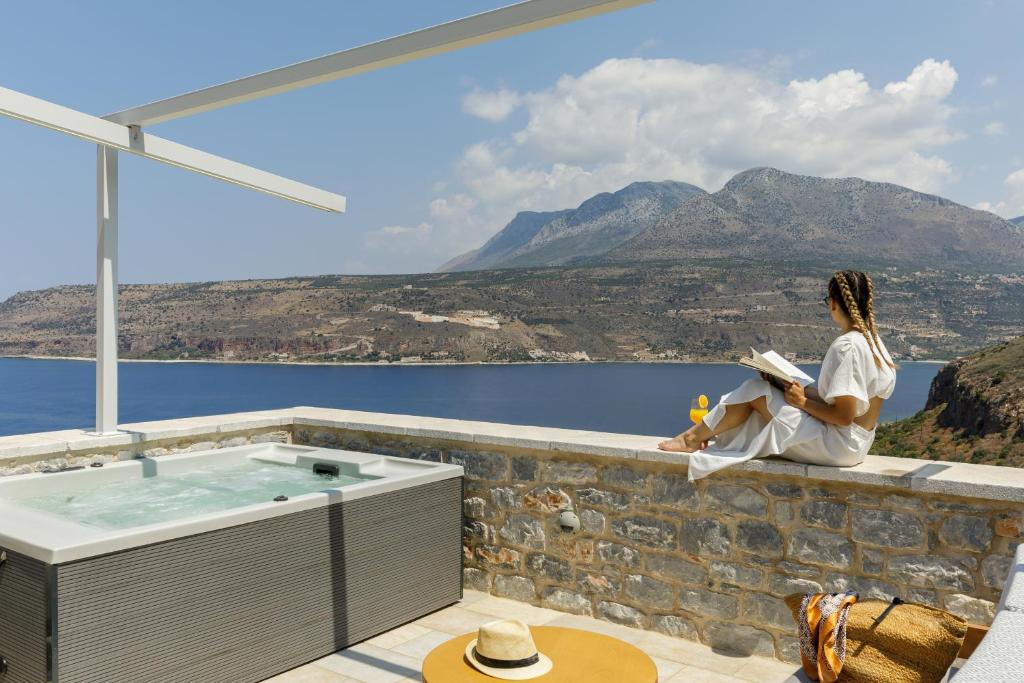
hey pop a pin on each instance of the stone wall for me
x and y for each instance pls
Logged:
(709, 561)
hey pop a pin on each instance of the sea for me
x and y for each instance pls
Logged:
(629, 398)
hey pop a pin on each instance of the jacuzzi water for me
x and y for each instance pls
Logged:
(167, 497)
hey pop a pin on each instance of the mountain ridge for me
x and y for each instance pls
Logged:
(568, 236)
(770, 213)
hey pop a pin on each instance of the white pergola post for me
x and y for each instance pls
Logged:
(106, 290)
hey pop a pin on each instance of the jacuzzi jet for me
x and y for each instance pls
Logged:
(280, 499)
(96, 464)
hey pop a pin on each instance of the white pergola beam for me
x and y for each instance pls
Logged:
(106, 290)
(480, 28)
(116, 136)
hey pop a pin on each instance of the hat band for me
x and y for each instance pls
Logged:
(506, 663)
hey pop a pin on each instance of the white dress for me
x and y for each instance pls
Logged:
(848, 370)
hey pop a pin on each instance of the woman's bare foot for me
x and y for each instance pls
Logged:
(687, 442)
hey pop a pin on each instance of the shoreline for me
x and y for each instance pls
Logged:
(387, 364)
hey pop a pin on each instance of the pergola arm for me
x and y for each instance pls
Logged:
(94, 129)
(479, 28)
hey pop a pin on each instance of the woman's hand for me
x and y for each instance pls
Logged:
(795, 395)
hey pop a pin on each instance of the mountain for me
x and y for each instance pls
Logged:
(975, 412)
(572, 235)
(698, 310)
(767, 213)
(1019, 220)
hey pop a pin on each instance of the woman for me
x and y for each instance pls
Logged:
(831, 425)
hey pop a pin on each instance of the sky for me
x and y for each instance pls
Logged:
(437, 155)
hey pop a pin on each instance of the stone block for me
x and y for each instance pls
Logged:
(932, 571)
(648, 592)
(867, 588)
(515, 587)
(481, 464)
(603, 499)
(784, 490)
(675, 490)
(675, 568)
(782, 585)
(592, 522)
(797, 569)
(602, 585)
(568, 472)
(523, 530)
(923, 596)
(1009, 524)
(615, 553)
(496, 557)
(967, 532)
(621, 614)
(995, 569)
(904, 502)
(887, 528)
(547, 500)
(785, 512)
(476, 507)
(707, 603)
(974, 610)
(768, 610)
(735, 500)
(524, 468)
(706, 536)
(872, 561)
(622, 477)
(760, 538)
(674, 625)
(738, 639)
(824, 513)
(787, 649)
(548, 567)
(477, 531)
(506, 498)
(476, 579)
(566, 601)
(647, 531)
(815, 546)
(737, 574)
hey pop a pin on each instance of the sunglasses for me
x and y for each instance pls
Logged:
(828, 300)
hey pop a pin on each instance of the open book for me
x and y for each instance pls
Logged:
(776, 366)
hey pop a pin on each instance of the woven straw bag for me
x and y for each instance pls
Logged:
(911, 643)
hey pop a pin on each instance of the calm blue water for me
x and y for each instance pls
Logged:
(638, 398)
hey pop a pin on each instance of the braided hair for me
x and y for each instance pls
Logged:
(854, 292)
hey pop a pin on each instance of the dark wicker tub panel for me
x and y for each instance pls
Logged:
(244, 603)
(23, 617)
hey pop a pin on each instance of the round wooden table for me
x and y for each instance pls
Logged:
(577, 656)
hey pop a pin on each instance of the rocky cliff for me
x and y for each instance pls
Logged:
(975, 411)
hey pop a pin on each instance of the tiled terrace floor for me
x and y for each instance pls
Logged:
(395, 656)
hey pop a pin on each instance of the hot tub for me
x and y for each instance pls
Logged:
(227, 565)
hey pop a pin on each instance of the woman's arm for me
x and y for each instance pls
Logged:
(840, 413)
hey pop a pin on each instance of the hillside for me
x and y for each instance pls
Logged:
(975, 412)
(561, 237)
(688, 309)
(765, 212)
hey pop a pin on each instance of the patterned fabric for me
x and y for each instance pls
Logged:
(822, 626)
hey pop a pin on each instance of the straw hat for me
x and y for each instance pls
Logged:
(505, 649)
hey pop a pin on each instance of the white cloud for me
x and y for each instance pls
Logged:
(652, 119)
(989, 81)
(491, 105)
(995, 128)
(1012, 205)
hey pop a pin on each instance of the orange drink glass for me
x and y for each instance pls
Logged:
(698, 408)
